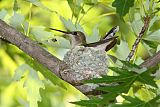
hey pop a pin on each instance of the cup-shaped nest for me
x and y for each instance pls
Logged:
(85, 63)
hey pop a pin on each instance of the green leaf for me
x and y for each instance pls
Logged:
(46, 73)
(39, 4)
(88, 103)
(40, 34)
(91, 2)
(129, 65)
(17, 20)
(121, 71)
(136, 102)
(151, 44)
(61, 43)
(3, 13)
(120, 88)
(156, 25)
(122, 50)
(146, 78)
(110, 79)
(95, 35)
(15, 7)
(70, 26)
(32, 84)
(19, 72)
(122, 6)
(75, 6)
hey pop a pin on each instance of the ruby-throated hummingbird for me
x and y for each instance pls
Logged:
(77, 38)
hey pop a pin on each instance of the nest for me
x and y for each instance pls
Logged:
(85, 63)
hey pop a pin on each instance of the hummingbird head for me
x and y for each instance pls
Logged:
(76, 38)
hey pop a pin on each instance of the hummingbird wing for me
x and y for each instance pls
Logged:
(105, 44)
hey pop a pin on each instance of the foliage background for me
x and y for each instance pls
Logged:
(21, 85)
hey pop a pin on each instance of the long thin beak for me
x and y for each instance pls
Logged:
(60, 31)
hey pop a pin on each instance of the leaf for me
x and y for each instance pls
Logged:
(70, 26)
(40, 34)
(122, 6)
(75, 6)
(17, 20)
(19, 72)
(151, 44)
(136, 102)
(108, 79)
(155, 25)
(88, 103)
(91, 2)
(26, 28)
(61, 43)
(32, 84)
(39, 4)
(120, 88)
(124, 79)
(3, 13)
(15, 7)
(121, 71)
(130, 65)
(146, 78)
(95, 35)
(122, 50)
(46, 73)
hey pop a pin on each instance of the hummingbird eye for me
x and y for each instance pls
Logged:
(74, 33)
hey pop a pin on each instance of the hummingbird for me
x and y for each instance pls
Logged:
(77, 38)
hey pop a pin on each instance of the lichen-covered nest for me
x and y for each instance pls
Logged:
(85, 63)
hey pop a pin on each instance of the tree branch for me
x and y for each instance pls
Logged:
(30, 47)
(51, 62)
(151, 61)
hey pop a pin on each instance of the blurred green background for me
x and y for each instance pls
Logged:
(33, 18)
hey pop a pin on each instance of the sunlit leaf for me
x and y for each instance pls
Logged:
(39, 4)
(95, 35)
(70, 26)
(19, 72)
(122, 50)
(46, 73)
(3, 13)
(17, 20)
(40, 34)
(154, 36)
(32, 84)
(75, 6)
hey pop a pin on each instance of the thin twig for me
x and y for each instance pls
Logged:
(137, 41)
